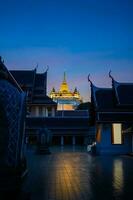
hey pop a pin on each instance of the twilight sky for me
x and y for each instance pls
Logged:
(76, 36)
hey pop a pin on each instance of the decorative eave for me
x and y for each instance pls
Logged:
(114, 117)
(5, 74)
(115, 86)
(94, 89)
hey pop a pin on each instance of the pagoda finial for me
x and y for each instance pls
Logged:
(89, 80)
(64, 80)
(111, 75)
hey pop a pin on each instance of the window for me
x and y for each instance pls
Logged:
(116, 134)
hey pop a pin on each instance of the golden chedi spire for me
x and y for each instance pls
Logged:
(64, 86)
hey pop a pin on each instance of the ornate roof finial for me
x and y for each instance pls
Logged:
(75, 90)
(1, 60)
(53, 89)
(89, 80)
(36, 67)
(111, 75)
(47, 68)
(64, 80)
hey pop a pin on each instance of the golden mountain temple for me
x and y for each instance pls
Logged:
(66, 99)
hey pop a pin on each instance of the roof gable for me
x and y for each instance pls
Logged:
(104, 99)
(124, 93)
(24, 77)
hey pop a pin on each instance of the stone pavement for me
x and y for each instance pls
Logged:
(73, 174)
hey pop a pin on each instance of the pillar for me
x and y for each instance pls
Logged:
(62, 140)
(37, 111)
(53, 112)
(73, 140)
(46, 112)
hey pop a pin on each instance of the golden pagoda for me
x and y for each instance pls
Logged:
(66, 99)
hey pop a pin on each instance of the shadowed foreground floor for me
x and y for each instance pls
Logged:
(73, 174)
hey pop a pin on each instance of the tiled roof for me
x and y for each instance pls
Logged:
(40, 80)
(24, 77)
(42, 99)
(104, 99)
(29, 78)
(124, 93)
(40, 83)
(5, 74)
(106, 107)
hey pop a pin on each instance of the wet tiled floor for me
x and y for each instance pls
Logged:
(73, 174)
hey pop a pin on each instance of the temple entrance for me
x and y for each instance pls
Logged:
(79, 140)
(67, 140)
(56, 140)
(32, 139)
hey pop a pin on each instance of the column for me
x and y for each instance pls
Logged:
(46, 112)
(62, 141)
(37, 111)
(53, 112)
(73, 140)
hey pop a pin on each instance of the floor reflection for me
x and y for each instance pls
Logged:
(73, 174)
(118, 176)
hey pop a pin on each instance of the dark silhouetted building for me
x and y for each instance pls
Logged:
(113, 116)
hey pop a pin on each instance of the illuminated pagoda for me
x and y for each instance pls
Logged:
(66, 99)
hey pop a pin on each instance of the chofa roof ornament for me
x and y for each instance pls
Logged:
(1, 60)
(111, 75)
(47, 68)
(36, 67)
(89, 80)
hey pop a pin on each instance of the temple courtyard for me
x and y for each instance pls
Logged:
(70, 173)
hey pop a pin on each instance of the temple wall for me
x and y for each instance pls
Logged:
(105, 146)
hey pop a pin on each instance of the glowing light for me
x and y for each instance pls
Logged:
(117, 134)
(118, 176)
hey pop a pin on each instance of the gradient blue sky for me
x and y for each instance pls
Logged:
(76, 36)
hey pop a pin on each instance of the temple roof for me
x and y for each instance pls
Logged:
(31, 79)
(40, 80)
(113, 104)
(124, 93)
(42, 99)
(99, 94)
(24, 77)
(6, 75)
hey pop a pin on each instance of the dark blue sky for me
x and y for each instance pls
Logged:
(76, 36)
